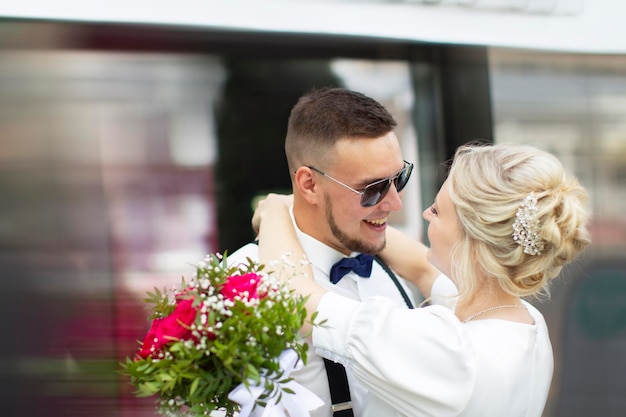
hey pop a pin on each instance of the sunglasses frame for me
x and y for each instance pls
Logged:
(393, 178)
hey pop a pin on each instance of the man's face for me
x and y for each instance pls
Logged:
(359, 162)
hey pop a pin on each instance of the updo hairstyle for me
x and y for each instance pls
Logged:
(487, 184)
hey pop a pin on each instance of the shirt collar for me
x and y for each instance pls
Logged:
(319, 254)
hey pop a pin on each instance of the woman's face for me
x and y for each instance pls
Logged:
(443, 231)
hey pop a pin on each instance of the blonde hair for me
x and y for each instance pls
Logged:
(487, 184)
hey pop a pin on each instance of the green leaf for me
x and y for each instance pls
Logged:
(252, 373)
(194, 386)
(165, 377)
(149, 388)
(143, 367)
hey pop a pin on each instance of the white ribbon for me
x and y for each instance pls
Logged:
(297, 404)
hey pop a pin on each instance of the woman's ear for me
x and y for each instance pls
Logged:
(305, 181)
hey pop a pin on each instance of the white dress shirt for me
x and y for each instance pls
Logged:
(322, 258)
(425, 362)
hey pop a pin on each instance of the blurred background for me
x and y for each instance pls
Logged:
(135, 137)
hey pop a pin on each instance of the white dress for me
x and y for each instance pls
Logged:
(425, 362)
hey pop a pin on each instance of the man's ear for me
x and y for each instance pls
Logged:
(306, 184)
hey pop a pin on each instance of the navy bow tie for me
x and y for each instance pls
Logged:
(360, 264)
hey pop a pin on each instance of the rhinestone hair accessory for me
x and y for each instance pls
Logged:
(526, 226)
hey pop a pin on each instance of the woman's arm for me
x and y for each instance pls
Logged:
(407, 257)
(403, 254)
(277, 240)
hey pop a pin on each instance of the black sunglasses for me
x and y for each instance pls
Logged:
(373, 193)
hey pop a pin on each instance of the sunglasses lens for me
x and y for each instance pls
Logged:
(403, 178)
(374, 193)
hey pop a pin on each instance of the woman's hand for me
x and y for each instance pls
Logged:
(272, 203)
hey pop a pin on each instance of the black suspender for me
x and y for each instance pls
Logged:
(341, 402)
(405, 296)
(336, 373)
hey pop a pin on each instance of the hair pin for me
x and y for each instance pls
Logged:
(526, 226)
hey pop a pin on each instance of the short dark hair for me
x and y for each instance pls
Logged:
(323, 116)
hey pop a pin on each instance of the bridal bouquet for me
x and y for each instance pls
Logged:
(229, 329)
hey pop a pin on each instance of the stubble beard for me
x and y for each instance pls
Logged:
(353, 244)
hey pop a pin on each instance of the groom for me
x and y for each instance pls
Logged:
(347, 172)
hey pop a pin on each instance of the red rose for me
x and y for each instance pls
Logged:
(236, 285)
(165, 330)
